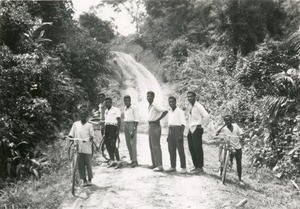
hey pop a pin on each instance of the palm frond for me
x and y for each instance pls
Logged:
(293, 42)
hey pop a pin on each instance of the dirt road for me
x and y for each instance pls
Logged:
(142, 188)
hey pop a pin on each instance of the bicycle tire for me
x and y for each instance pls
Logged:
(225, 166)
(223, 158)
(102, 149)
(74, 170)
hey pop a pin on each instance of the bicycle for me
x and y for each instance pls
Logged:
(74, 157)
(98, 124)
(226, 151)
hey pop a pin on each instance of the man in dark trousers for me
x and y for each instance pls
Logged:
(112, 128)
(155, 114)
(198, 117)
(176, 123)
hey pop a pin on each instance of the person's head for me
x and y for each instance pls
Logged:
(150, 96)
(191, 97)
(228, 120)
(101, 97)
(127, 100)
(83, 113)
(108, 102)
(172, 102)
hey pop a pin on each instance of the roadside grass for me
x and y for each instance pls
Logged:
(262, 189)
(46, 192)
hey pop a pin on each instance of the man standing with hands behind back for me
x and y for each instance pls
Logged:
(198, 117)
(155, 114)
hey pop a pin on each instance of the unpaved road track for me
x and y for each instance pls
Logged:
(142, 188)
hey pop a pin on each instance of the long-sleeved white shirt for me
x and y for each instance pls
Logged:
(197, 116)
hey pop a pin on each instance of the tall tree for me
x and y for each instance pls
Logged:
(99, 29)
(135, 8)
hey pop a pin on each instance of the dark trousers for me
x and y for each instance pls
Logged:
(175, 141)
(195, 147)
(111, 142)
(154, 143)
(238, 157)
(85, 163)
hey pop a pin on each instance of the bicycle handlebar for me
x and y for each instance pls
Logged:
(77, 139)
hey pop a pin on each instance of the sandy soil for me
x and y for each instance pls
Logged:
(142, 188)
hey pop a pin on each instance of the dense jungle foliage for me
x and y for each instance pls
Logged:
(242, 58)
(49, 64)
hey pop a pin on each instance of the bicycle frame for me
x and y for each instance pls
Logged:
(74, 164)
(226, 150)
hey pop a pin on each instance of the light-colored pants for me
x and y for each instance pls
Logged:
(85, 162)
(154, 142)
(131, 141)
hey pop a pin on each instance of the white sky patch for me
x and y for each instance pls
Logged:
(121, 20)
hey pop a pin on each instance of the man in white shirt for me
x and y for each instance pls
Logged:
(176, 123)
(198, 117)
(155, 114)
(130, 129)
(233, 133)
(83, 130)
(112, 128)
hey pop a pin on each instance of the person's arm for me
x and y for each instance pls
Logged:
(219, 130)
(182, 122)
(160, 109)
(162, 115)
(240, 134)
(118, 125)
(136, 118)
(204, 114)
(118, 115)
(92, 133)
(72, 131)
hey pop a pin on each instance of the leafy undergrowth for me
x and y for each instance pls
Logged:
(261, 189)
(48, 191)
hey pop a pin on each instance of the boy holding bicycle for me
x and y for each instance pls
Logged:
(232, 132)
(83, 130)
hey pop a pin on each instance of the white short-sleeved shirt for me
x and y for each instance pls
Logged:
(154, 112)
(130, 114)
(197, 116)
(234, 136)
(111, 116)
(176, 117)
(81, 131)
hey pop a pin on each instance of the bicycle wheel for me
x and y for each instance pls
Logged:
(225, 166)
(74, 173)
(102, 149)
(222, 160)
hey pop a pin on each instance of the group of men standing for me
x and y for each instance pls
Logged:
(110, 127)
(197, 118)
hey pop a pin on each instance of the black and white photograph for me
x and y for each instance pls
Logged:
(149, 104)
